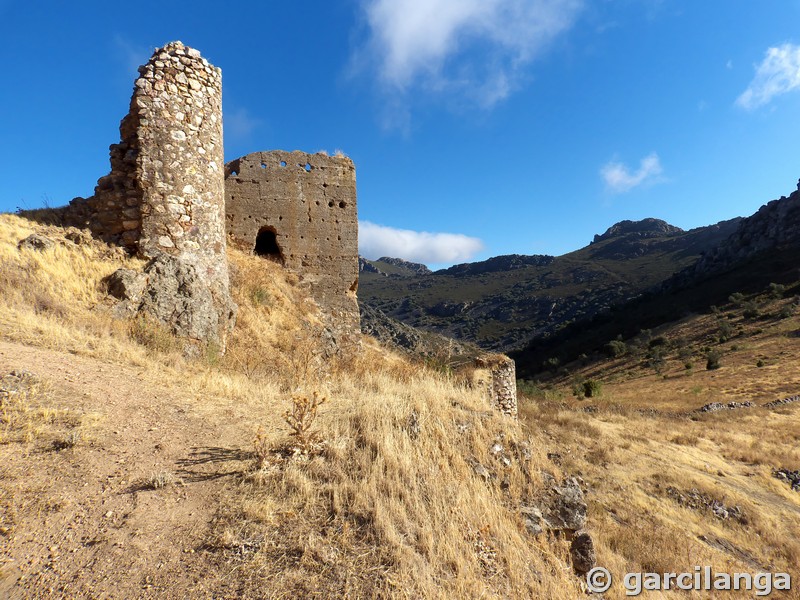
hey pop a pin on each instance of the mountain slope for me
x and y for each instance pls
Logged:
(763, 249)
(506, 301)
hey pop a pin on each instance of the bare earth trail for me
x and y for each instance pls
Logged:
(86, 525)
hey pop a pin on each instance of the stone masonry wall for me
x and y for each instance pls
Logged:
(165, 191)
(300, 209)
(497, 375)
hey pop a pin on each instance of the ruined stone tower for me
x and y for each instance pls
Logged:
(300, 210)
(165, 192)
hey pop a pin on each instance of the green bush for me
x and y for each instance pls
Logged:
(751, 311)
(725, 331)
(760, 363)
(592, 388)
(616, 348)
(776, 290)
(712, 360)
(736, 298)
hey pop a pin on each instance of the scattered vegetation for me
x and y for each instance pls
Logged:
(161, 479)
(713, 360)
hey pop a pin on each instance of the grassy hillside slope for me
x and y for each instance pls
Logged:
(129, 471)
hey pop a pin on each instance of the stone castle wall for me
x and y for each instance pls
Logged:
(300, 210)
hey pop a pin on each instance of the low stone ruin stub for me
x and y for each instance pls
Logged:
(496, 375)
(300, 210)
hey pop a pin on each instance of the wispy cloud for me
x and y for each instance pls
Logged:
(239, 124)
(777, 74)
(375, 241)
(132, 55)
(619, 178)
(475, 49)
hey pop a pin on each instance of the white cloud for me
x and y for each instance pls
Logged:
(619, 178)
(426, 44)
(375, 241)
(777, 74)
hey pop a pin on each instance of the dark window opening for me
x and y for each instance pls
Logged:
(267, 245)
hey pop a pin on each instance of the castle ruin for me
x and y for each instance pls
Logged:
(299, 210)
(169, 197)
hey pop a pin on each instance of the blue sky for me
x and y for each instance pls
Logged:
(478, 127)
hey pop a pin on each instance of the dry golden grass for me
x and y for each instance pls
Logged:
(387, 505)
(644, 437)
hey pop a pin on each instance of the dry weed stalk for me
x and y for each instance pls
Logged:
(301, 418)
(261, 447)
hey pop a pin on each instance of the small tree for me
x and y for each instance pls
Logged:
(592, 388)
(712, 360)
(776, 290)
(736, 298)
(751, 310)
(616, 348)
(725, 330)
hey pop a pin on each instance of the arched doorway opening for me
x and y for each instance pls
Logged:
(267, 245)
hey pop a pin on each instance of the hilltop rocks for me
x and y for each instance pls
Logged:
(507, 262)
(697, 500)
(782, 401)
(776, 224)
(646, 228)
(127, 285)
(583, 555)
(387, 266)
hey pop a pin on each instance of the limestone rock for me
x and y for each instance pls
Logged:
(36, 242)
(178, 296)
(562, 509)
(127, 285)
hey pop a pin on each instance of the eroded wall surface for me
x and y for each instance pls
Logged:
(306, 205)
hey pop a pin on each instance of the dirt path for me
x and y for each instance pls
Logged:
(85, 522)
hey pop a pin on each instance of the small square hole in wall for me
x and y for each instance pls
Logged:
(307, 168)
(283, 163)
(263, 165)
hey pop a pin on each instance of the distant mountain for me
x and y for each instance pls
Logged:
(762, 249)
(505, 302)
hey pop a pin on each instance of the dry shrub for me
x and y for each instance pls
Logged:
(301, 418)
